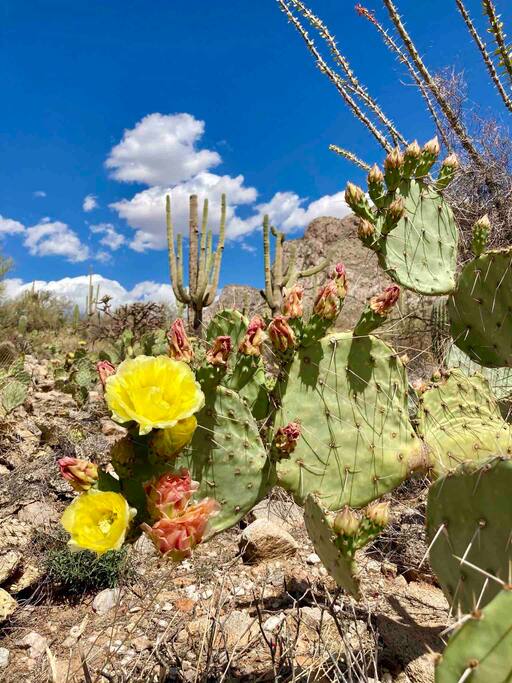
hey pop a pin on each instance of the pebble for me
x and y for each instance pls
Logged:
(4, 657)
(106, 600)
(312, 559)
(35, 644)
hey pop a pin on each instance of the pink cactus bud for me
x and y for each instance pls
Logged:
(292, 305)
(286, 438)
(105, 369)
(81, 474)
(378, 513)
(327, 303)
(176, 537)
(346, 522)
(281, 334)
(339, 275)
(168, 496)
(179, 344)
(219, 351)
(254, 337)
(383, 303)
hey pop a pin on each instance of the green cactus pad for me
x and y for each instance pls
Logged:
(13, 394)
(500, 379)
(357, 443)
(481, 648)
(475, 506)
(480, 309)
(228, 323)
(420, 253)
(227, 458)
(343, 569)
(459, 420)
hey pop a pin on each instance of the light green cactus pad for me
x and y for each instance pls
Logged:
(481, 648)
(228, 323)
(500, 379)
(357, 443)
(459, 420)
(343, 569)
(420, 253)
(13, 394)
(227, 458)
(481, 309)
(469, 517)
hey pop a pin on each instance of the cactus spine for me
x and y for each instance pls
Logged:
(203, 264)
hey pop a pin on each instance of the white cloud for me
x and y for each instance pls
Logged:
(111, 238)
(10, 227)
(54, 238)
(161, 150)
(145, 212)
(75, 289)
(90, 202)
(103, 256)
(39, 193)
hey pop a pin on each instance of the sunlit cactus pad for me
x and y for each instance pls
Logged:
(459, 419)
(420, 253)
(481, 309)
(481, 648)
(343, 569)
(473, 509)
(350, 398)
(227, 458)
(500, 379)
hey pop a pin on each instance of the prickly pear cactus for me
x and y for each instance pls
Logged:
(480, 309)
(479, 651)
(8, 354)
(420, 253)
(459, 420)
(227, 457)
(13, 394)
(228, 323)
(341, 567)
(500, 379)
(468, 519)
(350, 397)
(440, 330)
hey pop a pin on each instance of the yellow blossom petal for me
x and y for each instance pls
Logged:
(168, 442)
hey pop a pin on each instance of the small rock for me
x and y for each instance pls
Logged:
(9, 562)
(264, 540)
(106, 600)
(38, 514)
(312, 559)
(141, 643)
(4, 657)
(274, 622)
(238, 629)
(35, 644)
(110, 428)
(7, 605)
(29, 577)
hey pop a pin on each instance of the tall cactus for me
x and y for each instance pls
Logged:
(280, 276)
(203, 262)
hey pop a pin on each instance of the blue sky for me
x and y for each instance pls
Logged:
(76, 76)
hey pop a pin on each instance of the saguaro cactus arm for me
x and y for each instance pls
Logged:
(217, 257)
(175, 261)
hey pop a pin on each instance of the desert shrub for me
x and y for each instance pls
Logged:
(82, 572)
(40, 311)
(138, 319)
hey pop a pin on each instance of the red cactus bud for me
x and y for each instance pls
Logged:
(168, 496)
(383, 303)
(292, 305)
(346, 522)
(281, 334)
(286, 438)
(81, 474)
(179, 344)
(378, 513)
(219, 351)
(339, 275)
(105, 370)
(254, 337)
(327, 303)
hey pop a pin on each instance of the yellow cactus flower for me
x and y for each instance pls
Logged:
(154, 392)
(169, 442)
(97, 521)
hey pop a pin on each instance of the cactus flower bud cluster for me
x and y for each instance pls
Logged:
(254, 337)
(356, 199)
(169, 495)
(219, 351)
(384, 302)
(180, 347)
(327, 303)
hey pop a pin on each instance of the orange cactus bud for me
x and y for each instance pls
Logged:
(281, 334)
(327, 303)
(219, 351)
(81, 474)
(292, 305)
(254, 337)
(168, 496)
(383, 303)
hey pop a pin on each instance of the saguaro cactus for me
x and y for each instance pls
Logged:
(203, 262)
(281, 276)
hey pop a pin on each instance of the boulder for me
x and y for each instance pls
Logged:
(265, 540)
